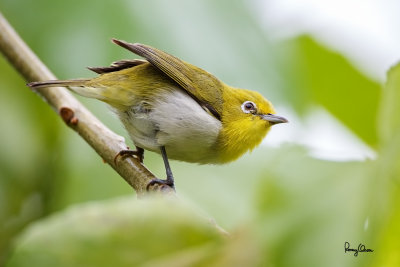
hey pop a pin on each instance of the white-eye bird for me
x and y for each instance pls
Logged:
(174, 108)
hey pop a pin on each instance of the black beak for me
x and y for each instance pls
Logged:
(274, 119)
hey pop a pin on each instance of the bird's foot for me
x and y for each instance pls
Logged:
(161, 183)
(139, 153)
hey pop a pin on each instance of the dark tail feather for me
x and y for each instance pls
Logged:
(55, 83)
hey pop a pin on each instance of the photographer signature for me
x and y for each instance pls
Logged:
(361, 248)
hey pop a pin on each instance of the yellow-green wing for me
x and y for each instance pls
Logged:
(201, 85)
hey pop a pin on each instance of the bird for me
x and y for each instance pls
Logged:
(176, 109)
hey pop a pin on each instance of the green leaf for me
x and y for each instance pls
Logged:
(128, 232)
(314, 75)
(389, 175)
(389, 119)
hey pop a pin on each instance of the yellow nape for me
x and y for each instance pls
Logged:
(241, 132)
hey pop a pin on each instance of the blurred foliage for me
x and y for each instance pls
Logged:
(336, 87)
(281, 206)
(122, 233)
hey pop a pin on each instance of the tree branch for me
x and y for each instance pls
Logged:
(105, 142)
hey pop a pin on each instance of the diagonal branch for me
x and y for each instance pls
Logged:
(105, 142)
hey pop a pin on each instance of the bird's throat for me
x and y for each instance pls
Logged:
(238, 137)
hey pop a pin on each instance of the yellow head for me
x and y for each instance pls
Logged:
(247, 117)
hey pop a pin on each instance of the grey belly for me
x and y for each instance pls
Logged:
(177, 122)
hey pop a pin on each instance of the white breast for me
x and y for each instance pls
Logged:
(177, 122)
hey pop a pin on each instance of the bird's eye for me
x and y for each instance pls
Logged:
(249, 107)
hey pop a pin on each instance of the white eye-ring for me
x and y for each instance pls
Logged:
(249, 107)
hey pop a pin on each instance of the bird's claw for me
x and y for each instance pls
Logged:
(161, 183)
(139, 153)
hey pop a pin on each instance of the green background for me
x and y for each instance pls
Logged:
(61, 205)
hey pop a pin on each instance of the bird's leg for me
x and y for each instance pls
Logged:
(170, 178)
(139, 153)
